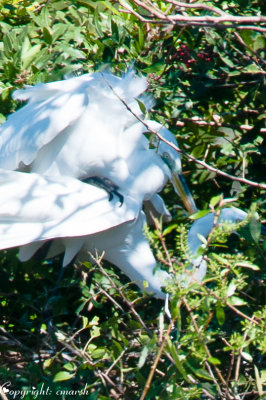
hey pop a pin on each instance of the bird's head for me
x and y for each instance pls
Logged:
(172, 159)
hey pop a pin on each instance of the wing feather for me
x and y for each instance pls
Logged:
(34, 208)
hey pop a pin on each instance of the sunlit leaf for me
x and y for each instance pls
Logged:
(62, 376)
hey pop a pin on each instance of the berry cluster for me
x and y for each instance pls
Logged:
(183, 54)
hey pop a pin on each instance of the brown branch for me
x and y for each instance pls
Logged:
(156, 16)
(255, 55)
(209, 167)
(218, 20)
(197, 5)
(181, 122)
(176, 148)
(190, 21)
(161, 239)
(152, 10)
(253, 319)
(157, 359)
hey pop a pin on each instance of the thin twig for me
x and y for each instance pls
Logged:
(115, 362)
(201, 122)
(125, 300)
(190, 157)
(161, 238)
(240, 313)
(205, 346)
(197, 5)
(157, 359)
(218, 20)
(239, 38)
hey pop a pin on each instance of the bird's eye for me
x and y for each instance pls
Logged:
(167, 159)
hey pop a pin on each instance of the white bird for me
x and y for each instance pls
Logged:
(203, 226)
(81, 218)
(79, 127)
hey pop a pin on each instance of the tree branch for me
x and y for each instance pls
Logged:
(223, 21)
(176, 148)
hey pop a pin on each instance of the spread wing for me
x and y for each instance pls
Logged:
(51, 108)
(37, 208)
(56, 107)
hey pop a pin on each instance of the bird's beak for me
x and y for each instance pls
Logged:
(182, 190)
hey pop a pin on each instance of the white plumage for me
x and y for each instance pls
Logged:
(80, 218)
(203, 227)
(79, 128)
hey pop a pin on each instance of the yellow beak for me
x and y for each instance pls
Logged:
(182, 190)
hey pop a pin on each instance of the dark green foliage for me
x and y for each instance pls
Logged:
(100, 335)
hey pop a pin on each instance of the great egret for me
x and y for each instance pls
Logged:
(79, 127)
(81, 218)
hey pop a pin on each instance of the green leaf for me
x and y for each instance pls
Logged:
(70, 366)
(63, 376)
(59, 31)
(142, 106)
(215, 200)
(143, 355)
(252, 68)
(258, 381)
(28, 56)
(246, 356)
(231, 289)
(174, 353)
(220, 315)
(255, 229)
(141, 37)
(259, 43)
(8, 47)
(199, 214)
(110, 6)
(169, 229)
(199, 372)
(236, 301)
(154, 68)
(214, 361)
(85, 320)
(246, 264)
(47, 35)
(227, 61)
(99, 353)
(48, 362)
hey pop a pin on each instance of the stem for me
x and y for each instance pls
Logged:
(157, 359)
